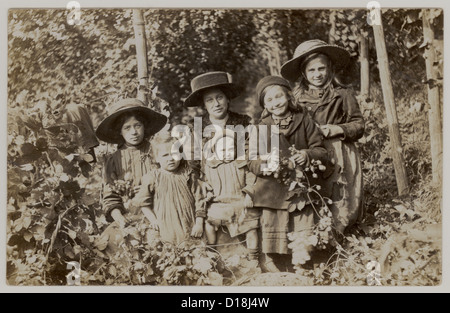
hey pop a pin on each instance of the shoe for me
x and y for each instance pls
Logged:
(253, 264)
(271, 267)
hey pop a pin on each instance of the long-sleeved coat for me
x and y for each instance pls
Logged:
(338, 106)
(272, 197)
(304, 135)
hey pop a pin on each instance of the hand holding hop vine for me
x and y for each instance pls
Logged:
(296, 167)
(125, 189)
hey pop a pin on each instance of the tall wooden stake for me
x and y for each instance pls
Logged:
(391, 111)
(332, 33)
(141, 54)
(434, 113)
(364, 60)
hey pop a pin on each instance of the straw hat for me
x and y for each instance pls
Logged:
(338, 55)
(221, 80)
(106, 130)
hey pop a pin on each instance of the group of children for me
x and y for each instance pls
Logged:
(320, 117)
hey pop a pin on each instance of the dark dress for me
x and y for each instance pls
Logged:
(128, 163)
(271, 196)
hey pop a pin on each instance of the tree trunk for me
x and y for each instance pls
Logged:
(391, 110)
(332, 33)
(434, 113)
(273, 57)
(141, 54)
(365, 70)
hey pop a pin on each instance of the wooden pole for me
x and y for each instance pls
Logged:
(391, 111)
(332, 33)
(434, 113)
(365, 70)
(141, 54)
(273, 57)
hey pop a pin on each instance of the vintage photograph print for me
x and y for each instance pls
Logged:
(224, 147)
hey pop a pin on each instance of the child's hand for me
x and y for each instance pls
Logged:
(248, 202)
(330, 130)
(151, 217)
(136, 189)
(273, 161)
(197, 230)
(299, 158)
(119, 218)
(205, 187)
(154, 225)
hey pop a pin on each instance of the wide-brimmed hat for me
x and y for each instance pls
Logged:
(269, 81)
(221, 80)
(338, 55)
(106, 131)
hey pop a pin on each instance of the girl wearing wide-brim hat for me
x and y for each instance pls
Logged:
(129, 124)
(335, 109)
(280, 215)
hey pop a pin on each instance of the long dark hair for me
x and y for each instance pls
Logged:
(122, 118)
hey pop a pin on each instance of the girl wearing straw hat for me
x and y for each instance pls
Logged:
(335, 109)
(129, 124)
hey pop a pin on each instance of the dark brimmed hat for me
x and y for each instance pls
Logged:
(338, 55)
(106, 131)
(270, 81)
(221, 80)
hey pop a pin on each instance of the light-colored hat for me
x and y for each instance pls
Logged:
(106, 130)
(221, 80)
(338, 55)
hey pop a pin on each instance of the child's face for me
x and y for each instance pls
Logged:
(225, 149)
(276, 101)
(317, 71)
(132, 131)
(165, 159)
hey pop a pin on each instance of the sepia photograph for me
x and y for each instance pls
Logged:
(228, 147)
